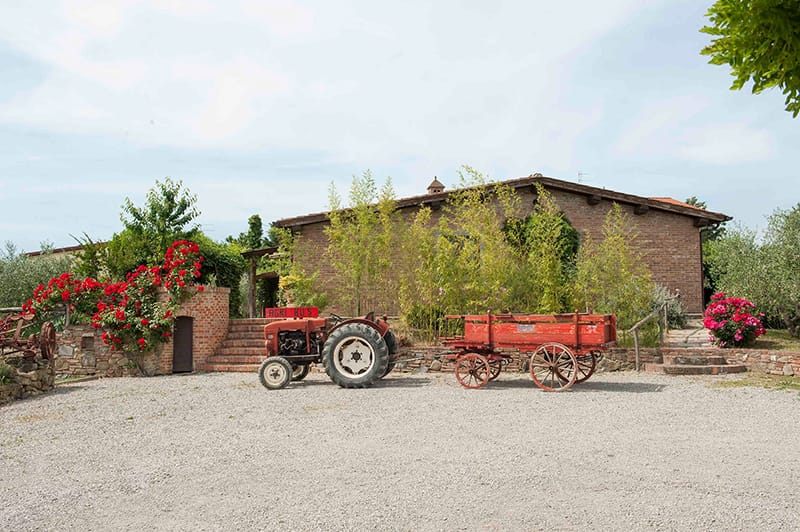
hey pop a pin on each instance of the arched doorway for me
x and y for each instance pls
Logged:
(182, 358)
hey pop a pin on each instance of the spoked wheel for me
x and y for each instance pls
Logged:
(275, 373)
(553, 367)
(472, 370)
(586, 365)
(299, 372)
(495, 367)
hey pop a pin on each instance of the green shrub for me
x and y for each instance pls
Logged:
(7, 373)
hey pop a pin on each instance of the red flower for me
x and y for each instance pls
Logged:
(200, 288)
(145, 321)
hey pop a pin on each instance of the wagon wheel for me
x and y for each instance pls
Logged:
(47, 340)
(472, 370)
(586, 366)
(495, 367)
(553, 367)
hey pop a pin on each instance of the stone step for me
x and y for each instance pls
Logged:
(228, 351)
(245, 335)
(243, 342)
(711, 369)
(245, 328)
(239, 368)
(236, 359)
(693, 360)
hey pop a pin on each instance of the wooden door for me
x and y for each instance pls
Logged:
(182, 360)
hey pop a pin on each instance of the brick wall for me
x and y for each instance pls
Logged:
(82, 352)
(670, 242)
(209, 310)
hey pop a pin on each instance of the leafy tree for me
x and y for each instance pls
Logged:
(551, 245)
(760, 40)
(166, 216)
(223, 266)
(781, 251)
(765, 273)
(20, 274)
(465, 262)
(361, 243)
(295, 287)
(92, 258)
(612, 275)
(708, 235)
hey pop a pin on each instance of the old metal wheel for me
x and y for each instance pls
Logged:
(299, 372)
(553, 367)
(47, 340)
(472, 370)
(275, 373)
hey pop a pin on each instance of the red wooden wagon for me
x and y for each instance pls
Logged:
(564, 348)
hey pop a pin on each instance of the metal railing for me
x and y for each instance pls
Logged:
(663, 324)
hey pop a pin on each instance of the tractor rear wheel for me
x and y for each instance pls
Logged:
(391, 345)
(355, 355)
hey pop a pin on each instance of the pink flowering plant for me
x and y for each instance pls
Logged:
(732, 321)
(132, 313)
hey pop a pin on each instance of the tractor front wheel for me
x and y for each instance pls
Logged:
(275, 373)
(355, 355)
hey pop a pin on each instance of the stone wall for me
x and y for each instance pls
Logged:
(624, 358)
(82, 352)
(670, 243)
(33, 375)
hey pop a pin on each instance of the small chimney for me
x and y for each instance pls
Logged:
(435, 187)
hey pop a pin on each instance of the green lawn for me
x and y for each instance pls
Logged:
(777, 340)
(762, 380)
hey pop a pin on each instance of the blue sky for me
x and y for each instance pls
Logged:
(257, 106)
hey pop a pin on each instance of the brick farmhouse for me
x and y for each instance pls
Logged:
(669, 230)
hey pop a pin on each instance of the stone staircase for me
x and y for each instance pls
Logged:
(243, 347)
(689, 352)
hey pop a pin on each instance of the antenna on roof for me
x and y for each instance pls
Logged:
(581, 176)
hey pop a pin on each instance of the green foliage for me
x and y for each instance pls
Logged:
(20, 274)
(254, 237)
(92, 258)
(676, 314)
(362, 239)
(295, 287)
(165, 217)
(223, 266)
(551, 245)
(7, 373)
(760, 40)
(611, 274)
(465, 263)
(767, 274)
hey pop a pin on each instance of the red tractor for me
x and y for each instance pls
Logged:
(355, 352)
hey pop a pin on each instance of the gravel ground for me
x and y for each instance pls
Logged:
(219, 452)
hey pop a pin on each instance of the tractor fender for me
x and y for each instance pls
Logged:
(380, 325)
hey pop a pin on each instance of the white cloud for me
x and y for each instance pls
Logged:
(728, 143)
(680, 128)
(359, 81)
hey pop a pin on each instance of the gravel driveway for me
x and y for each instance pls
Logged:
(219, 452)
